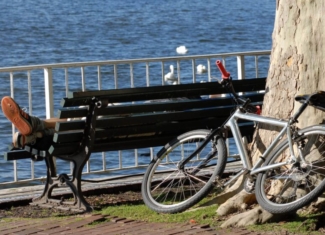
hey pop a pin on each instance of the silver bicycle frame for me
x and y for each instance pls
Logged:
(232, 123)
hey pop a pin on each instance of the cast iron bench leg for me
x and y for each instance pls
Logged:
(79, 159)
(47, 199)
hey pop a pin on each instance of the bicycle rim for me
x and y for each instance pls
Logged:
(167, 188)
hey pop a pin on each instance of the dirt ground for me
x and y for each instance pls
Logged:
(97, 201)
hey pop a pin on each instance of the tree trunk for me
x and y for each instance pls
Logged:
(297, 59)
(297, 67)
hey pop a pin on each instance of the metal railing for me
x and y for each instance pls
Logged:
(45, 85)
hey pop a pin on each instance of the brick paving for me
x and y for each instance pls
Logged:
(101, 224)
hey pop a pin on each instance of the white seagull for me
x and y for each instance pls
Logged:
(181, 50)
(170, 77)
(201, 68)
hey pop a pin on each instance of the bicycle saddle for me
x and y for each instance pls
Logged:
(316, 99)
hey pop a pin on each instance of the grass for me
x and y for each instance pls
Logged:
(141, 212)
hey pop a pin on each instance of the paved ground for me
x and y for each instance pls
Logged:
(99, 224)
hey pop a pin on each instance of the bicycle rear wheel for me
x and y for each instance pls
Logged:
(166, 188)
(290, 187)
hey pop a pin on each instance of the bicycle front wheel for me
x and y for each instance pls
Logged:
(168, 187)
(292, 186)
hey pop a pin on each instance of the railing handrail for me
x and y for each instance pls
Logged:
(123, 61)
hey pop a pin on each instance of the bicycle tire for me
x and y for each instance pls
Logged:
(293, 186)
(168, 189)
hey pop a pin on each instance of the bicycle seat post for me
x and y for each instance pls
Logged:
(295, 117)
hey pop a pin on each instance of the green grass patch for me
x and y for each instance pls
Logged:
(206, 215)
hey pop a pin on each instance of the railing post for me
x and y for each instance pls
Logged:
(83, 81)
(240, 67)
(48, 80)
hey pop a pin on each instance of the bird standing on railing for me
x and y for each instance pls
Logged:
(170, 77)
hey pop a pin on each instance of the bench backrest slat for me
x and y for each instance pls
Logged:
(130, 142)
(161, 92)
(159, 105)
(151, 129)
(219, 112)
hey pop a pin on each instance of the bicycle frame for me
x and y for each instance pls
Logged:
(232, 124)
(247, 167)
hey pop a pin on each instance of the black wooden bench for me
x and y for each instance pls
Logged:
(144, 117)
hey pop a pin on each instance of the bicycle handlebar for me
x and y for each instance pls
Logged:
(226, 80)
(224, 72)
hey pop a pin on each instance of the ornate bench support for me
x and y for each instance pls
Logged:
(79, 159)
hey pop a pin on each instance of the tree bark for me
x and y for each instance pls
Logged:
(297, 59)
(297, 66)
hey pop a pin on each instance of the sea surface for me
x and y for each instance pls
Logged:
(46, 32)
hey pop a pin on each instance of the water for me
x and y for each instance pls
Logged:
(37, 32)
(41, 32)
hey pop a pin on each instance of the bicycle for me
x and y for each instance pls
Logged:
(288, 175)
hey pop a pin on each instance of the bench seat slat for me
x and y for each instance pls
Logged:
(17, 155)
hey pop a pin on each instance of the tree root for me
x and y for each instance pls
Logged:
(254, 216)
(238, 202)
